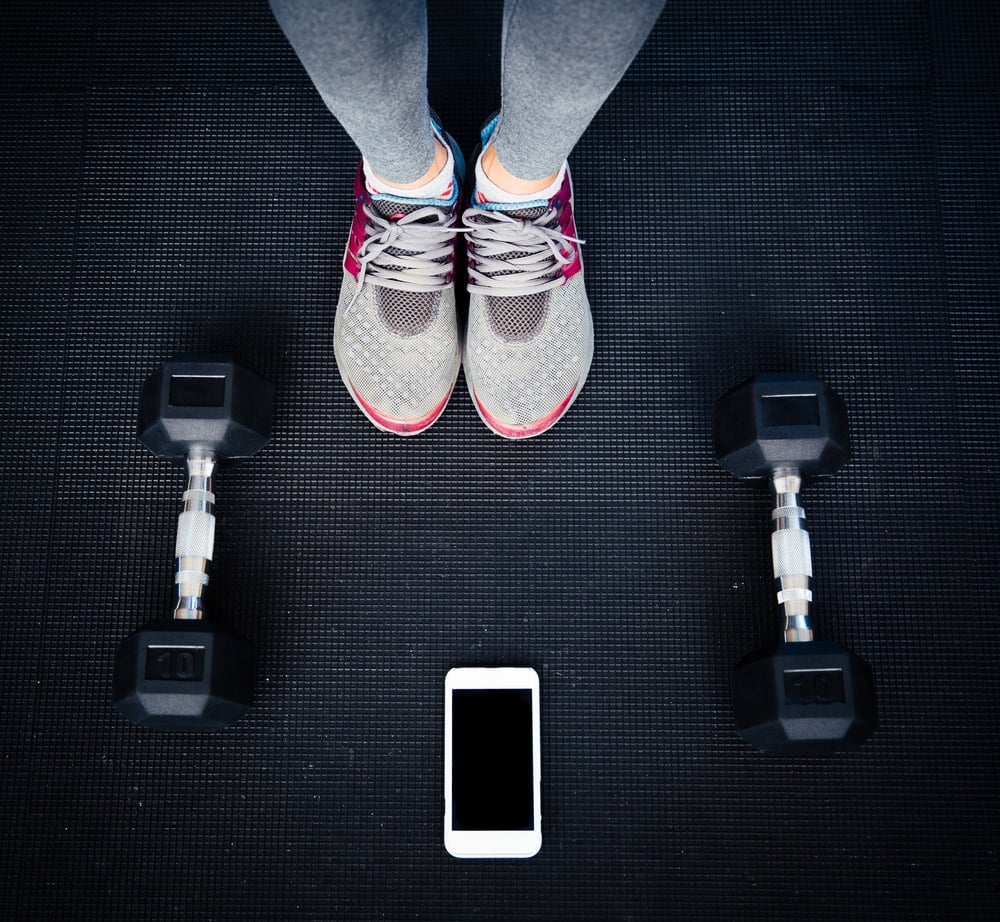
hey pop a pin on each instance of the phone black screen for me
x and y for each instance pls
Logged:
(492, 770)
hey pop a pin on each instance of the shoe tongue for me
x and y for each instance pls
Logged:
(527, 214)
(396, 208)
(522, 214)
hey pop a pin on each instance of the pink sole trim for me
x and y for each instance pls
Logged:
(532, 429)
(399, 426)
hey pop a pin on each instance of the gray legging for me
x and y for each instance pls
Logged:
(561, 59)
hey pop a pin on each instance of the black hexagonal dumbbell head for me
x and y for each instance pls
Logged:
(208, 402)
(781, 420)
(184, 675)
(806, 698)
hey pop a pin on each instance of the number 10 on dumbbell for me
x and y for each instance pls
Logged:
(187, 673)
(801, 696)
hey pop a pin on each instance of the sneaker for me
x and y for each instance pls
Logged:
(395, 336)
(530, 335)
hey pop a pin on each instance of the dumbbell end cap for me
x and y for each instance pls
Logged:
(183, 675)
(208, 402)
(781, 420)
(804, 699)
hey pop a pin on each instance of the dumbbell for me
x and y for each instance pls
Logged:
(801, 696)
(185, 672)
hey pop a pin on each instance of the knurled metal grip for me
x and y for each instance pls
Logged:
(195, 536)
(791, 556)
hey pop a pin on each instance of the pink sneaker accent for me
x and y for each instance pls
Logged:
(357, 237)
(564, 199)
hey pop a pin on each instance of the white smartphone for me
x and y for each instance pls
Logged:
(492, 763)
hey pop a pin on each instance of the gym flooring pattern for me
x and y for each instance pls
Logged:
(775, 185)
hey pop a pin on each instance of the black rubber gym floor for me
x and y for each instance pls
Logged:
(775, 185)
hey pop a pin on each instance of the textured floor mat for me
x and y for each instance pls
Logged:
(771, 187)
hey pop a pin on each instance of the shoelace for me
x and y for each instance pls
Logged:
(410, 253)
(516, 256)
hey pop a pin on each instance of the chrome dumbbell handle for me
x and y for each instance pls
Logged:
(791, 555)
(195, 535)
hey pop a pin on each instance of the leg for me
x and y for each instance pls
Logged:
(530, 335)
(368, 61)
(561, 59)
(395, 333)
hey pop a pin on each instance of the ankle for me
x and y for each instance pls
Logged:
(440, 162)
(500, 177)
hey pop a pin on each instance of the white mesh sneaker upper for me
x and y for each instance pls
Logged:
(520, 379)
(395, 335)
(403, 373)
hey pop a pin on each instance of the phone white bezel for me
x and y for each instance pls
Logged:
(493, 843)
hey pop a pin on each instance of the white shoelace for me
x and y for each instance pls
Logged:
(516, 256)
(411, 253)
